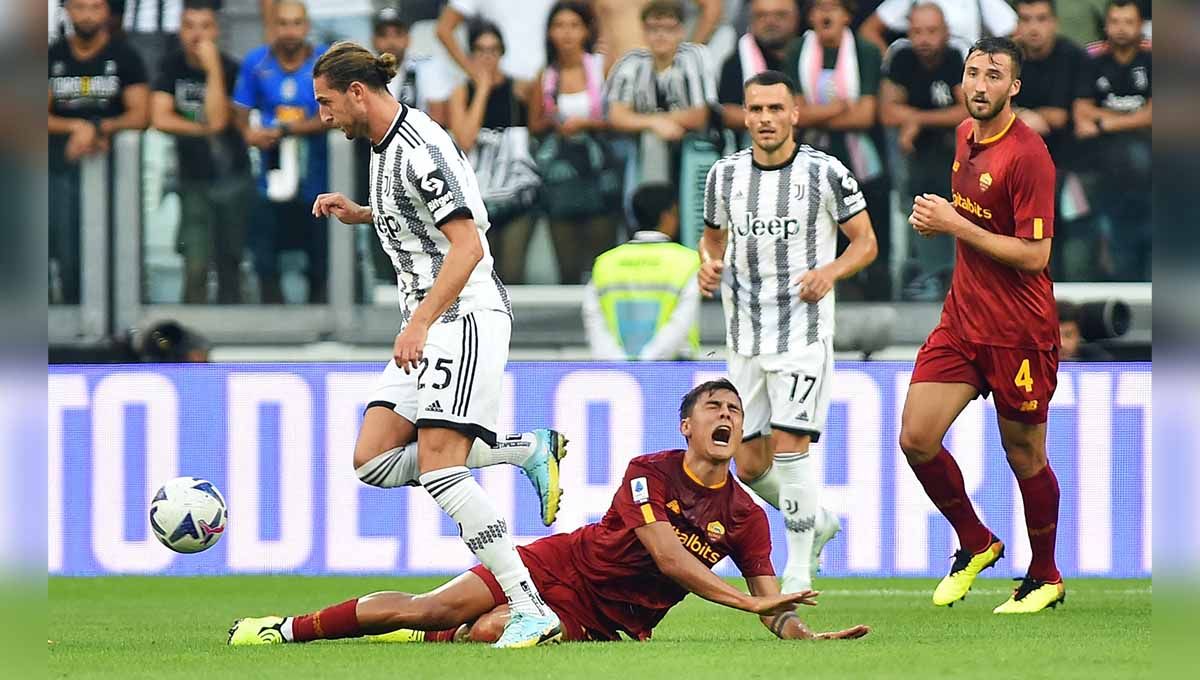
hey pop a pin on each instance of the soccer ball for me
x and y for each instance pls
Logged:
(188, 515)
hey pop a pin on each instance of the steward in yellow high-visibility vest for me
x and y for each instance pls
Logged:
(643, 301)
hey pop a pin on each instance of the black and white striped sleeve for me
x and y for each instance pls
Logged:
(715, 214)
(846, 197)
(701, 85)
(622, 81)
(436, 182)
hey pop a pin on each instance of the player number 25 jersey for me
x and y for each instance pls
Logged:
(419, 182)
(782, 221)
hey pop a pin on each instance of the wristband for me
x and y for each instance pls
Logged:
(285, 129)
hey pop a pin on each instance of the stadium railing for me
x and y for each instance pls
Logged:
(114, 278)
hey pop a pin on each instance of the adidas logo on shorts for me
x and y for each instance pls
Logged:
(435, 407)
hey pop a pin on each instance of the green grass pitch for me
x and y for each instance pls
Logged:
(133, 627)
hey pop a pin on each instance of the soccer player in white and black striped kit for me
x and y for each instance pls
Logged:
(433, 410)
(772, 214)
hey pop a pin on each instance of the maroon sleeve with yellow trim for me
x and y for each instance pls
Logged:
(1032, 190)
(642, 497)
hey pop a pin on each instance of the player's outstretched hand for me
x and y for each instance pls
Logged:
(409, 347)
(770, 605)
(847, 634)
(710, 277)
(815, 284)
(345, 210)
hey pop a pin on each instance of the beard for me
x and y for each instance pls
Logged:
(992, 111)
(772, 44)
(87, 31)
(771, 148)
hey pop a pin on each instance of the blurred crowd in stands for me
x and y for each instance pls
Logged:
(566, 108)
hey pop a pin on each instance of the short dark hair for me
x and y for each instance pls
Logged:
(650, 201)
(585, 13)
(478, 28)
(993, 45)
(768, 78)
(672, 9)
(1068, 312)
(694, 394)
(1122, 3)
(850, 6)
(214, 5)
(1052, 3)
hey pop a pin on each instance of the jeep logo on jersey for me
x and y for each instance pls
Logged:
(749, 225)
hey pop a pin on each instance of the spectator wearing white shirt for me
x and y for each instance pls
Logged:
(522, 25)
(968, 20)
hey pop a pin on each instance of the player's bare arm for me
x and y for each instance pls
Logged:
(788, 626)
(465, 252)
(933, 214)
(816, 283)
(682, 567)
(344, 209)
(712, 260)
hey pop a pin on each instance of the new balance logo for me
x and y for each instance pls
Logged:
(800, 525)
(435, 407)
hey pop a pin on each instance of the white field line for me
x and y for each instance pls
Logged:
(924, 592)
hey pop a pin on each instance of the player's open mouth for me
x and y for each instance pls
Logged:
(722, 434)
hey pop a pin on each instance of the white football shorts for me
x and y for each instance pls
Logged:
(458, 382)
(788, 392)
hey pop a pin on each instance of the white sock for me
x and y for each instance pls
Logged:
(286, 629)
(486, 533)
(767, 486)
(398, 467)
(514, 449)
(392, 468)
(799, 502)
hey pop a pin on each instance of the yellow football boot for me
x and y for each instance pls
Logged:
(267, 630)
(962, 574)
(398, 635)
(1033, 596)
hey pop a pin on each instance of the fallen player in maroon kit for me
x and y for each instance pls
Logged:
(675, 515)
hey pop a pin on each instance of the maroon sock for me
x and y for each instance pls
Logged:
(1040, 496)
(331, 623)
(943, 482)
(441, 635)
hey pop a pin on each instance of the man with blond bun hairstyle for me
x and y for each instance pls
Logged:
(441, 392)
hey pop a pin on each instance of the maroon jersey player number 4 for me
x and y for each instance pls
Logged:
(999, 328)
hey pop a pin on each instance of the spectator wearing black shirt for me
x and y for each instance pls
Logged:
(1112, 114)
(773, 24)
(921, 95)
(1050, 75)
(192, 101)
(97, 87)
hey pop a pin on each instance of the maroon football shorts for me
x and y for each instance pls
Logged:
(552, 568)
(1021, 381)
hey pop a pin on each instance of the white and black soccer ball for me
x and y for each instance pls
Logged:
(188, 515)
